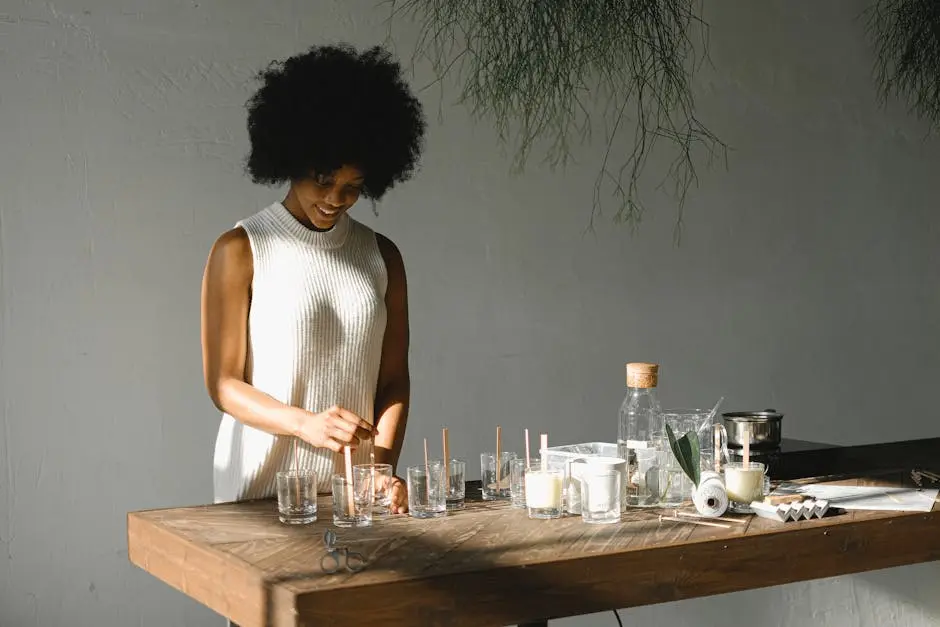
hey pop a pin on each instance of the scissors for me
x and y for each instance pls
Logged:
(330, 563)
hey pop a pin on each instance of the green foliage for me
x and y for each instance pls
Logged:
(906, 34)
(686, 450)
(538, 68)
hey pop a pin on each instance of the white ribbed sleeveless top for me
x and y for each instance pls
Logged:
(315, 331)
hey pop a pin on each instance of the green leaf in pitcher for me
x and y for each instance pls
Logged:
(686, 450)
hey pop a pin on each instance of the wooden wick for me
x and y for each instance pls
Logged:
(300, 496)
(736, 521)
(718, 448)
(747, 446)
(543, 444)
(499, 455)
(446, 451)
(527, 458)
(350, 486)
(427, 470)
(693, 522)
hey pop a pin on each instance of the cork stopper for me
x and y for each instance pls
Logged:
(642, 375)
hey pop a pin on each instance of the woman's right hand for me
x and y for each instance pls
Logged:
(334, 428)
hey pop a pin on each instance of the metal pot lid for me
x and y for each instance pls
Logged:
(767, 414)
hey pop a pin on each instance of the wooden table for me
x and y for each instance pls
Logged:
(490, 565)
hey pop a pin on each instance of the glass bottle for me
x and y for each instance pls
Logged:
(636, 435)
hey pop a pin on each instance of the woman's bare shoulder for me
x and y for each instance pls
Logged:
(230, 258)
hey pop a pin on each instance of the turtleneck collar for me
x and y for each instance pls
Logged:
(333, 238)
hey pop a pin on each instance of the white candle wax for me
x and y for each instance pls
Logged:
(744, 485)
(542, 489)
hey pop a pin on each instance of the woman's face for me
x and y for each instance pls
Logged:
(324, 198)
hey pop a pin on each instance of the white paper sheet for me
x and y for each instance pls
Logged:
(873, 498)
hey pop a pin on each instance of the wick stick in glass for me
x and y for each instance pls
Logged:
(446, 450)
(372, 461)
(499, 455)
(527, 458)
(747, 445)
(427, 470)
(350, 496)
(296, 465)
(718, 448)
(543, 444)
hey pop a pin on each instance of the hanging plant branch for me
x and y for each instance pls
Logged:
(538, 68)
(906, 34)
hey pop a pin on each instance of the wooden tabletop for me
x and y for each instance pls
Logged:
(490, 565)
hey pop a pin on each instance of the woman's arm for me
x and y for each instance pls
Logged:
(226, 297)
(394, 385)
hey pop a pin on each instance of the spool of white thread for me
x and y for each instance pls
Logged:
(710, 498)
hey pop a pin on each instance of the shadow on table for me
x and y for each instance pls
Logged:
(494, 578)
(547, 587)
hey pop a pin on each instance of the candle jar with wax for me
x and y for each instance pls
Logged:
(495, 474)
(543, 492)
(352, 501)
(744, 484)
(600, 494)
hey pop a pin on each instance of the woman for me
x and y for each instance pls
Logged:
(304, 309)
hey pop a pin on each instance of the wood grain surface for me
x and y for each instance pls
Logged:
(491, 565)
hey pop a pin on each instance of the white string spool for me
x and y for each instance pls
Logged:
(710, 498)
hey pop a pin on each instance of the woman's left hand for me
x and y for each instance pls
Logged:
(399, 496)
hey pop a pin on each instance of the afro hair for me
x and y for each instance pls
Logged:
(333, 106)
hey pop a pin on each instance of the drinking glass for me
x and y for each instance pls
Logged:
(427, 494)
(495, 475)
(297, 496)
(381, 485)
(456, 484)
(517, 480)
(352, 504)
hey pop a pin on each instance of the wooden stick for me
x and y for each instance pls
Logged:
(543, 444)
(427, 471)
(737, 521)
(300, 498)
(747, 446)
(446, 458)
(527, 458)
(718, 448)
(499, 455)
(693, 522)
(350, 486)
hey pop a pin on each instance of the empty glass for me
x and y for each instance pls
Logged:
(456, 484)
(352, 504)
(427, 490)
(495, 475)
(297, 496)
(517, 480)
(600, 494)
(381, 485)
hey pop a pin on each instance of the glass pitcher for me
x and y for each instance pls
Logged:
(675, 487)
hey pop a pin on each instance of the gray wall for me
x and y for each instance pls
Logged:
(806, 279)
